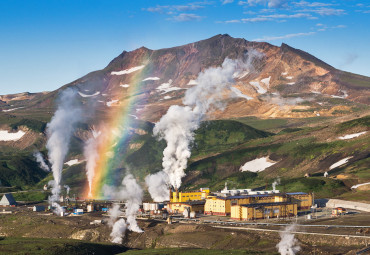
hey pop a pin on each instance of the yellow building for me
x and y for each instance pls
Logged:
(303, 200)
(179, 207)
(263, 211)
(189, 196)
(216, 205)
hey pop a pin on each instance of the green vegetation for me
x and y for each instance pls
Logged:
(30, 196)
(363, 122)
(39, 246)
(219, 135)
(32, 124)
(20, 170)
(322, 187)
(263, 124)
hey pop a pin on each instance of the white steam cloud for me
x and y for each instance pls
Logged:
(59, 131)
(157, 186)
(67, 189)
(288, 244)
(92, 156)
(177, 126)
(40, 159)
(276, 182)
(130, 192)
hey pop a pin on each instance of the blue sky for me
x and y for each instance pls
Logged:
(48, 43)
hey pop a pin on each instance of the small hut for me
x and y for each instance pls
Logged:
(8, 200)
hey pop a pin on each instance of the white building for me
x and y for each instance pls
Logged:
(8, 200)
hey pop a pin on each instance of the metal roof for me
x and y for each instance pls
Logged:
(266, 204)
(8, 199)
(296, 193)
(247, 196)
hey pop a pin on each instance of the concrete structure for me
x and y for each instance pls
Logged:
(263, 211)
(8, 200)
(332, 203)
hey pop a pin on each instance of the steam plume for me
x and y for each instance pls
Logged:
(288, 244)
(118, 230)
(132, 194)
(276, 182)
(177, 126)
(59, 132)
(91, 156)
(40, 159)
(157, 186)
(67, 189)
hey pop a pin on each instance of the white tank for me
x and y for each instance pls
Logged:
(146, 206)
(154, 206)
(192, 214)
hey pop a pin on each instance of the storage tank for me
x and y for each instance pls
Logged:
(192, 214)
(146, 206)
(154, 206)
(90, 208)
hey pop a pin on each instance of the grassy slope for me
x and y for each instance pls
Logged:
(41, 246)
(221, 147)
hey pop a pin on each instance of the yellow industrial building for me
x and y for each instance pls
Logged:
(176, 196)
(303, 200)
(221, 205)
(263, 211)
(194, 200)
(193, 206)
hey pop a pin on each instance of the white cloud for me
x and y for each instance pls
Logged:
(287, 16)
(272, 17)
(314, 4)
(227, 1)
(273, 38)
(269, 3)
(324, 11)
(170, 9)
(256, 19)
(186, 17)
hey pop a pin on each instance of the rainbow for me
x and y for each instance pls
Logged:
(115, 135)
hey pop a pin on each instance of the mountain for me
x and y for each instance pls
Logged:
(290, 106)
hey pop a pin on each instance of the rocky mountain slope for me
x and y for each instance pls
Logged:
(287, 107)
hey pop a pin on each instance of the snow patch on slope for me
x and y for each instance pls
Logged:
(258, 87)
(351, 135)
(5, 135)
(166, 87)
(13, 109)
(266, 81)
(110, 103)
(359, 185)
(72, 162)
(345, 95)
(238, 93)
(152, 79)
(84, 95)
(340, 162)
(257, 165)
(127, 71)
(192, 82)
